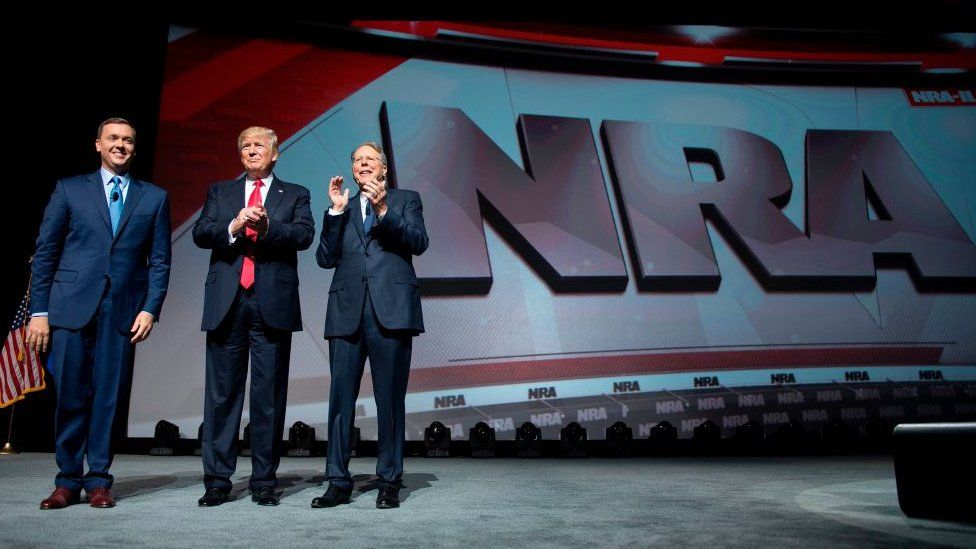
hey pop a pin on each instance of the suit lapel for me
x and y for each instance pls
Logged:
(276, 193)
(357, 216)
(236, 194)
(98, 198)
(132, 197)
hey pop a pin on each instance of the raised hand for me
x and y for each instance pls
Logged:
(339, 198)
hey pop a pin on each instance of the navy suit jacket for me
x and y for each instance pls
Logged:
(77, 256)
(384, 261)
(290, 228)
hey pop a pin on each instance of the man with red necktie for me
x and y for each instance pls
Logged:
(255, 227)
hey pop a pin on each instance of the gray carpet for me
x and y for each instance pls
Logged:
(724, 502)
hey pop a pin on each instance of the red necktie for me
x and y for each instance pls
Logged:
(247, 269)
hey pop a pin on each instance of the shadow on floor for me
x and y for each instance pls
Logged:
(288, 485)
(137, 486)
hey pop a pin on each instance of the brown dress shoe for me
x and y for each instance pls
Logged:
(101, 498)
(61, 498)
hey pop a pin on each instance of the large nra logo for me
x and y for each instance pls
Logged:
(866, 204)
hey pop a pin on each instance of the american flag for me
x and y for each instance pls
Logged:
(20, 368)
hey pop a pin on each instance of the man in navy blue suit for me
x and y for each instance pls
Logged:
(100, 273)
(255, 226)
(373, 311)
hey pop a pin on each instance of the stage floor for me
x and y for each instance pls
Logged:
(837, 501)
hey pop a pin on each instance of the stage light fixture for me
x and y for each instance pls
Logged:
(300, 437)
(164, 438)
(749, 432)
(481, 440)
(707, 430)
(572, 439)
(663, 438)
(749, 437)
(437, 440)
(528, 440)
(663, 432)
(620, 439)
(707, 437)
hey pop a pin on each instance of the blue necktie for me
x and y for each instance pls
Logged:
(115, 203)
(368, 220)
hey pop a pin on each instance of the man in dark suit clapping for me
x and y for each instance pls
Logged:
(255, 225)
(373, 311)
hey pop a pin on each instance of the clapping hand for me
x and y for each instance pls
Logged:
(257, 219)
(375, 190)
(338, 196)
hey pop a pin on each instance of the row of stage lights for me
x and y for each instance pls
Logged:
(663, 438)
(573, 439)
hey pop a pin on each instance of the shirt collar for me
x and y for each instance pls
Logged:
(107, 178)
(266, 181)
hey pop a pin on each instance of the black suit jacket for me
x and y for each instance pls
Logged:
(384, 261)
(290, 229)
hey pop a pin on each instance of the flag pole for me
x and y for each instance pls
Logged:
(8, 448)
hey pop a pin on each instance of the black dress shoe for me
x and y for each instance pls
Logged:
(264, 495)
(388, 498)
(214, 497)
(332, 497)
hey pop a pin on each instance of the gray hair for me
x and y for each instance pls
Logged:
(259, 130)
(371, 144)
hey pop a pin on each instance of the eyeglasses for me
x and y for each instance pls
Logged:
(360, 159)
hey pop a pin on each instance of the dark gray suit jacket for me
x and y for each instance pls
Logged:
(384, 261)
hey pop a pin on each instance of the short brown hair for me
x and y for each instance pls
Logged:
(115, 120)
